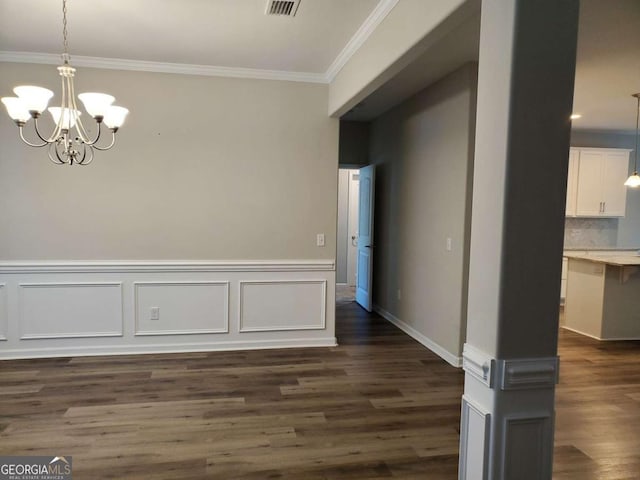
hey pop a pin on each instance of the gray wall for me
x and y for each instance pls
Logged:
(343, 226)
(204, 168)
(423, 150)
(354, 143)
(627, 229)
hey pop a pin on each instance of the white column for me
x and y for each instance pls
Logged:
(525, 92)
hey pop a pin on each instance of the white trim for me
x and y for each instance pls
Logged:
(613, 339)
(146, 333)
(439, 350)
(469, 406)
(519, 374)
(89, 351)
(164, 67)
(478, 364)
(4, 315)
(127, 266)
(45, 336)
(323, 314)
(374, 19)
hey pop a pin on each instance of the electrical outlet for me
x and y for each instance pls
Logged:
(449, 242)
(155, 313)
(320, 240)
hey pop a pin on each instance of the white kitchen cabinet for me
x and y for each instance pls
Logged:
(572, 182)
(563, 287)
(600, 190)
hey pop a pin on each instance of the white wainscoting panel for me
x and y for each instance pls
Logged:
(4, 312)
(184, 307)
(474, 442)
(275, 305)
(69, 309)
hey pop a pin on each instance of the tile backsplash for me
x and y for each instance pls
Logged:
(590, 232)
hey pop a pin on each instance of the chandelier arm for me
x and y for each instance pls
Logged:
(113, 141)
(28, 142)
(95, 140)
(82, 132)
(58, 128)
(57, 160)
(84, 162)
(37, 130)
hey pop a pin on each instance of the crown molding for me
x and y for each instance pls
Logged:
(163, 67)
(374, 19)
(379, 13)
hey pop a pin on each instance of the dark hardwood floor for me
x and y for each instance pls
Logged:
(378, 406)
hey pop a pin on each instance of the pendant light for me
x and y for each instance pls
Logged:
(634, 180)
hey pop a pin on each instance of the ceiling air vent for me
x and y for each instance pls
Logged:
(287, 8)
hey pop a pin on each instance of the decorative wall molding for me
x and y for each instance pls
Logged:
(475, 430)
(164, 67)
(183, 310)
(64, 308)
(478, 364)
(518, 374)
(374, 19)
(439, 350)
(4, 313)
(283, 312)
(527, 445)
(160, 266)
(69, 307)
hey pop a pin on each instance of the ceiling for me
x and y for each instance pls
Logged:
(228, 33)
(237, 34)
(608, 65)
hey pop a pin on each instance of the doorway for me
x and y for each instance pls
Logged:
(347, 236)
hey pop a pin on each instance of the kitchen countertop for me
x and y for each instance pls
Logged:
(620, 258)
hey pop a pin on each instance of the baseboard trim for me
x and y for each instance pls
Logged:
(615, 339)
(439, 350)
(102, 350)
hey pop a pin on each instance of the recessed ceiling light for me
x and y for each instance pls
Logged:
(574, 116)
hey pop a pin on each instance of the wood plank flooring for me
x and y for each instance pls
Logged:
(378, 406)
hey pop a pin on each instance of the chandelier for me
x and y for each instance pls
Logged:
(634, 179)
(69, 143)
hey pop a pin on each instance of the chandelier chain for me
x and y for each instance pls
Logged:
(637, 133)
(64, 31)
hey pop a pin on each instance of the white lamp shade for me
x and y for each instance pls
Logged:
(633, 180)
(96, 104)
(114, 117)
(34, 98)
(68, 119)
(16, 109)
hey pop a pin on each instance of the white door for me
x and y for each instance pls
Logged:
(365, 237)
(352, 227)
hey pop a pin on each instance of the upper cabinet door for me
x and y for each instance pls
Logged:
(572, 182)
(589, 196)
(615, 169)
(600, 188)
